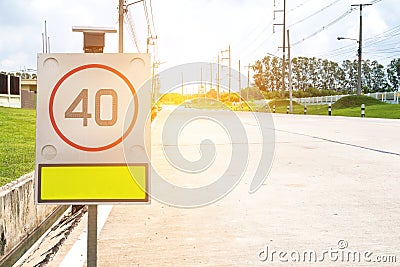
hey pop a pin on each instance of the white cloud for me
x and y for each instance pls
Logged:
(373, 22)
(187, 31)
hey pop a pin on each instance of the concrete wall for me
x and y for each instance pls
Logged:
(19, 217)
(28, 99)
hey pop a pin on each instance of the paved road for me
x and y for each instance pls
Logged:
(332, 179)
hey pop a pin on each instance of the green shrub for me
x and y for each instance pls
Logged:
(353, 101)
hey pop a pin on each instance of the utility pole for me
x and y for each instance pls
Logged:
(290, 75)
(201, 85)
(283, 44)
(205, 89)
(248, 82)
(218, 79)
(240, 84)
(230, 73)
(229, 70)
(360, 48)
(211, 73)
(121, 26)
(182, 84)
(283, 47)
(153, 84)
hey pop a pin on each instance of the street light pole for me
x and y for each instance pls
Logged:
(359, 55)
(360, 49)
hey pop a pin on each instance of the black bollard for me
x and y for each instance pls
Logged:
(362, 110)
(330, 109)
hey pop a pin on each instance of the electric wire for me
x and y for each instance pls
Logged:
(315, 13)
(147, 18)
(152, 17)
(300, 5)
(386, 38)
(324, 27)
(131, 28)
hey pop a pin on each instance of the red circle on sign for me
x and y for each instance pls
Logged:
(66, 76)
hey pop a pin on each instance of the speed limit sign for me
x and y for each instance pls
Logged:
(92, 109)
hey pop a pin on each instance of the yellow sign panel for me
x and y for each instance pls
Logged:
(91, 183)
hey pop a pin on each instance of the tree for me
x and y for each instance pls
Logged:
(350, 75)
(366, 75)
(259, 75)
(212, 93)
(25, 75)
(312, 74)
(393, 73)
(276, 74)
(378, 77)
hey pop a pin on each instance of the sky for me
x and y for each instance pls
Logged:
(196, 31)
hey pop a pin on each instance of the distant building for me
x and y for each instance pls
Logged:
(16, 92)
(29, 85)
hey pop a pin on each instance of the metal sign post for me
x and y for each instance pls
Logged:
(91, 250)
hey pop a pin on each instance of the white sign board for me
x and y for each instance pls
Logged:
(92, 109)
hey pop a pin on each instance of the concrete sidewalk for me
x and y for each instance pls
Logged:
(334, 186)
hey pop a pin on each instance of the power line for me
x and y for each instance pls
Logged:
(265, 38)
(382, 37)
(131, 28)
(315, 13)
(152, 17)
(373, 45)
(300, 5)
(150, 25)
(151, 36)
(324, 27)
(147, 18)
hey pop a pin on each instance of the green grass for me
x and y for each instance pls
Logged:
(17, 138)
(387, 111)
(282, 104)
(208, 104)
(355, 101)
(349, 106)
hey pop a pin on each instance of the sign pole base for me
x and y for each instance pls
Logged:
(92, 236)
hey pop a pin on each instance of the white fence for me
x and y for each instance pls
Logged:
(388, 97)
(318, 100)
(10, 101)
